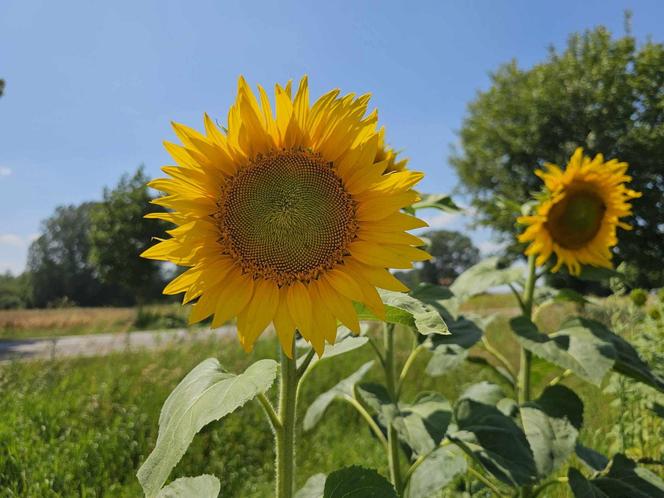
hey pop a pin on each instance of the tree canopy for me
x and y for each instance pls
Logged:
(452, 252)
(119, 233)
(58, 261)
(602, 93)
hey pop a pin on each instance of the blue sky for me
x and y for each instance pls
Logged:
(92, 86)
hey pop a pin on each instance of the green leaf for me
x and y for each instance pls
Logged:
(436, 201)
(483, 276)
(205, 486)
(576, 349)
(624, 479)
(552, 423)
(346, 341)
(582, 487)
(569, 295)
(313, 488)
(495, 440)
(357, 482)
(207, 393)
(422, 425)
(596, 274)
(450, 351)
(435, 472)
(376, 397)
(402, 309)
(342, 389)
(484, 392)
(592, 459)
(627, 362)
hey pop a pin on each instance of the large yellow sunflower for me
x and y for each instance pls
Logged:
(287, 217)
(579, 212)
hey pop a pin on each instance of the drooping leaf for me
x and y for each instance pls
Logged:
(436, 472)
(206, 394)
(346, 341)
(400, 308)
(627, 362)
(357, 482)
(596, 273)
(592, 459)
(449, 351)
(438, 296)
(343, 388)
(552, 423)
(442, 202)
(569, 295)
(623, 479)
(495, 440)
(483, 276)
(484, 392)
(576, 349)
(422, 425)
(582, 487)
(376, 397)
(313, 488)
(205, 486)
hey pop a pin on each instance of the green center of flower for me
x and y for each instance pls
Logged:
(576, 219)
(287, 217)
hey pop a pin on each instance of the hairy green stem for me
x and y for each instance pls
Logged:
(368, 419)
(409, 363)
(391, 380)
(523, 384)
(285, 435)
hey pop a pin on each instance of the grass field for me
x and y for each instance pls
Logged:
(33, 323)
(23, 324)
(82, 427)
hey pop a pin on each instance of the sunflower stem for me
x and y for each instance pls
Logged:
(285, 434)
(391, 380)
(526, 356)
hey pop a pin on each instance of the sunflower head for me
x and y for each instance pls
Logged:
(579, 212)
(388, 155)
(287, 216)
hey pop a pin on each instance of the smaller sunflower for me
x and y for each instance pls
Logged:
(579, 212)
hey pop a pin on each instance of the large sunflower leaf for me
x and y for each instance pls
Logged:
(435, 472)
(205, 486)
(357, 482)
(552, 423)
(207, 393)
(402, 309)
(483, 276)
(449, 351)
(422, 425)
(313, 488)
(576, 349)
(495, 440)
(624, 479)
(340, 390)
(442, 202)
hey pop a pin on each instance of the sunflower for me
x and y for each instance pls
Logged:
(287, 217)
(579, 212)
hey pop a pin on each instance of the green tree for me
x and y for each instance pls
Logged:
(452, 253)
(601, 93)
(2, 87)
(58, 261)
(119, 233)
(15, 292)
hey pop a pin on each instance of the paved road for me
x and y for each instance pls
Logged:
(102, 344)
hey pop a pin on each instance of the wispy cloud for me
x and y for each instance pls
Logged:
(489, 247)
(14, 240)
(5, 171)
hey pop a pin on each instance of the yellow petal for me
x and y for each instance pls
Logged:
(258, 314)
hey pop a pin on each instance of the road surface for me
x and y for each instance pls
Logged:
(102, 344)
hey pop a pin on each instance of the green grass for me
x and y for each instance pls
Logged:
(82, 427)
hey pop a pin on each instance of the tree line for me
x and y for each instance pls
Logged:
(88, 254)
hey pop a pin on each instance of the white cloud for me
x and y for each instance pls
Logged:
(11, 239)
(5, 171)
(443, 220)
